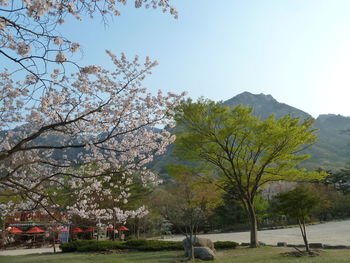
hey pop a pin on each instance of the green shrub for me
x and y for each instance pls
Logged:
(91, 245)
(134, 243)
(95, 245)
(142, 245)
(225, 244)
(70, 246)
(153, 245)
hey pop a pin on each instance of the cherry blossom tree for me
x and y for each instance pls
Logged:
(110, 206)
(71, 126)
(30, 36)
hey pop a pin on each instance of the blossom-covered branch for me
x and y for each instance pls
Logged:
(30, 39)
(95, 118)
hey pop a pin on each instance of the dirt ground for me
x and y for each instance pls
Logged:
(18, 252)
(331, 233)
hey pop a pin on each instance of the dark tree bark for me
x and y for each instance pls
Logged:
(253, 225)
(301, 223)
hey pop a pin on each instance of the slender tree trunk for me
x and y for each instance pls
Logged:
(303, 233)
(53, 241)
(191, 256)
(113, 231)
(138, 229)
(70, 234)
(191, 252)
(3, 235)
(253, 225)
(189, 233)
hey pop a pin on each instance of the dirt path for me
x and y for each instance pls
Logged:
(332, 233)
(17, 252)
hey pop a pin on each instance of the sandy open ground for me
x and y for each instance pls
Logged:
(332, 233)
(18, 252)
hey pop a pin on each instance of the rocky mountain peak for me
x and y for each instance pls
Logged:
(250, 97)
(264, 105)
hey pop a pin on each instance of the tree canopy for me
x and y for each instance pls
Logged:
(246, 152)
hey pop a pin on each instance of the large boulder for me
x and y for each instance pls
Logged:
(203, 253)
(199, 242)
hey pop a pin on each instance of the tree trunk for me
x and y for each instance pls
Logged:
(53, 241)
(303, 233)
(70, 234)
(137, 226)
(253, 225)
(113, 231)
(3, 235)
(191, 255)
(307, 248)
(138, 233)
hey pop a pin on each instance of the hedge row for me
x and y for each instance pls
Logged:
(225, 244)
(153, 245)
(142, 245)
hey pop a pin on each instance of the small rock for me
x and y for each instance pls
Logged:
(281, 244)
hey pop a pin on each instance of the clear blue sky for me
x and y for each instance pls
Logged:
(298, 51)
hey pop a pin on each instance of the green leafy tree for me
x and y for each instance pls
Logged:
(246, 152)
(334, 202)
(299, 204)
(189, 202)
(340, 180)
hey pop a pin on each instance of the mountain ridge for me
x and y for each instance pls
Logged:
(330, 152)
(264, 105)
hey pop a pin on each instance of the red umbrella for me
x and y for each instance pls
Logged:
(64, 230)
(91, 229)
(110, 229)
(123, 228)
(15, 230)
(77, 230)
(35, 230)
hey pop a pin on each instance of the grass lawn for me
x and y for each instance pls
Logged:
(273, 255)
(75, 257)
(240, 255)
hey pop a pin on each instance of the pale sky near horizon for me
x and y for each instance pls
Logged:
(298, 51)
